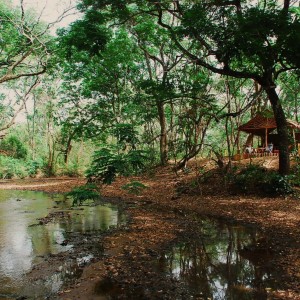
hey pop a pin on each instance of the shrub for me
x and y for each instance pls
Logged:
(11, 167)
(72, 170)
(276, 184)
(296, 171)
(84, 193)
(47, 168)
(247, 179)
(256, 179)
(134, 187)
(32, 167)
(107, 164)
(13, 147)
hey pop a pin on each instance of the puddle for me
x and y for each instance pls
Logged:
(216, 261)
(221, 262)
(26, 244)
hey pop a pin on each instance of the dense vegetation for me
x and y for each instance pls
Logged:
(133, 84)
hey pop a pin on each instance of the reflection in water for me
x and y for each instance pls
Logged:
(214, 266)
(23, 245)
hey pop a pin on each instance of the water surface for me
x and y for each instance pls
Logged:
(216, 261)
(25, 241)
(222, 261)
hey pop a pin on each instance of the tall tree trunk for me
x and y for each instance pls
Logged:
(67, 149)
(194, 151)
(282, 128)
(163, 133)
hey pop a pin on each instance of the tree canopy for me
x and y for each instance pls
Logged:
(167, 79)
(223, 37)
(24, 44)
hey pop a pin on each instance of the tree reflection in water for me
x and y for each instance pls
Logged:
(221, 262)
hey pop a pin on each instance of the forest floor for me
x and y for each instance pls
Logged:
(168, 211)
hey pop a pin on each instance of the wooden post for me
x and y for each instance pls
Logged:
(294, 139)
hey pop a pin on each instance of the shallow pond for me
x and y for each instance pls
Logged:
(26, 242)
(222, 261)
(40, 255)
(213, 261)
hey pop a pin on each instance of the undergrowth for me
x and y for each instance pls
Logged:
(18, 168)
(84, 193)
(254, 179)
(134, 187)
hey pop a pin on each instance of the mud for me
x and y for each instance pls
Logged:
(165, 228)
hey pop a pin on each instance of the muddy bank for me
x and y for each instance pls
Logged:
(51, 185)
(160, 218)
(129, 268)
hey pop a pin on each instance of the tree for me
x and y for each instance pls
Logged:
(162, 61)
(138, 76)
(223, 37)
(24, 44)
(226, 34)
(97, 92)
(15, 97)
(290, 93)
(25, 51)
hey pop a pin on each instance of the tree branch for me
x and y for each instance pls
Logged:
(241, 111)
(198, 61)
(25, 98)
(8, 77)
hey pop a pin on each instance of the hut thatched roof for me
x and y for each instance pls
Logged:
(262, 122)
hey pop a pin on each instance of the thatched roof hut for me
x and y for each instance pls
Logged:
(263, 123)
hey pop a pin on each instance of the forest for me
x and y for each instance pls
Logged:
(134, 85)
(143, 100)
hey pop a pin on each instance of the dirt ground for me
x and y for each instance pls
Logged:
(163, 212)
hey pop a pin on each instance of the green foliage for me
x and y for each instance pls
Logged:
(236, 38)
(32, 167)
(16, 168)
(72, 170)
(136, 161)
(126, 135)
(48, 170)
(296, 171)
(22, 50)
(280, 185)
(216, 35)
(87, 35)
(13, 147)
(105, 166)
(12, 168)
(84, 193)
(108, 163)
(255, 179)
(134, 187)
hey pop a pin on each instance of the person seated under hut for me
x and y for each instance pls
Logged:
(269, 148)
(248, 149)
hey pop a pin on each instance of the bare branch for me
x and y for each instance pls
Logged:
(254, 97)
(24, 100)
(22, 11)
(8, 77)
